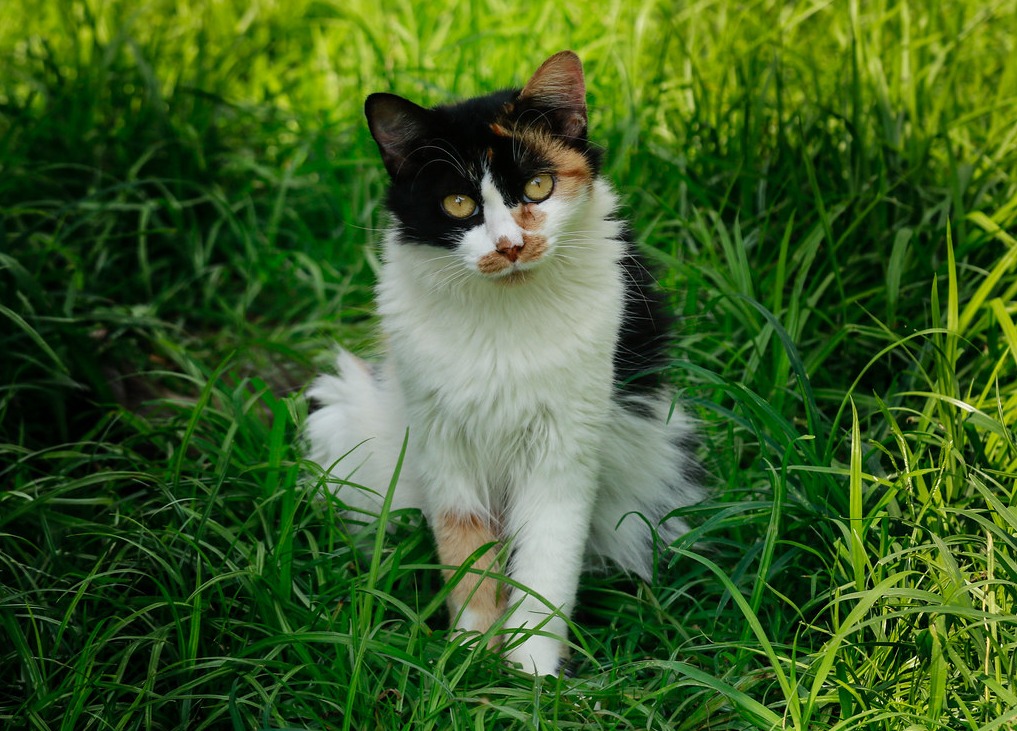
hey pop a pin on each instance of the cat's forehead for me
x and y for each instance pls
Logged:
(479, 125)
(490, 135)
(479, 111)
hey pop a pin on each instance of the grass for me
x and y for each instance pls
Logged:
(189, 208)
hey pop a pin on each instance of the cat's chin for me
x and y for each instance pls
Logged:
(515, 277)
(510, 277)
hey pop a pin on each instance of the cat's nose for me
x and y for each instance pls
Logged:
(508, 248)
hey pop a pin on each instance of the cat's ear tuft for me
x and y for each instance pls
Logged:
(397, 125)
(559, 87)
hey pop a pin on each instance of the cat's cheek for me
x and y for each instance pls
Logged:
(563, 212)
(529, 216)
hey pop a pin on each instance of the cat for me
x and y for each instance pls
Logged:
(524, 343)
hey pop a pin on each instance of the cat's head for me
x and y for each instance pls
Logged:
(498, 180)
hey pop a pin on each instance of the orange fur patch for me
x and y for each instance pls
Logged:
(493, 263)
(528, 216)
(458, 537)
(500, 130)
(571, 170)
(534, 247)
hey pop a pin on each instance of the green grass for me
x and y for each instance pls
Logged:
(189, 208)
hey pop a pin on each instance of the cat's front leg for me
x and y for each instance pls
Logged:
(476, 601)
(549, 522)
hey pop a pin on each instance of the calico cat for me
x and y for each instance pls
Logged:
(524, 344)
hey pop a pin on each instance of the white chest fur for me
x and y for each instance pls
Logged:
(497, 374)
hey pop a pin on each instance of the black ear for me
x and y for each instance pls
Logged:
(558, 89)
(397, 125)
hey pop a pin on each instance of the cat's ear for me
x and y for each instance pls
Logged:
(558, 87)
(397, 125)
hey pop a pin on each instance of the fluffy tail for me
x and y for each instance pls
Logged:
(357, 433)
(647, 471)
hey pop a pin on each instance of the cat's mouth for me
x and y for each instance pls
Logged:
(509, 273)
(512, 263)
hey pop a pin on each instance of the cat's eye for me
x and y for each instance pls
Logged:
(538, 188)
(459, 206)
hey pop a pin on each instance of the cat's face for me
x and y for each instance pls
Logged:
(498, 180)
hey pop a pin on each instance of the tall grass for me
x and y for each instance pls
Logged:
(189, 207)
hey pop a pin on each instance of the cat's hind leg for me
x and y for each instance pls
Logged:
(648, 470)
(357, 434)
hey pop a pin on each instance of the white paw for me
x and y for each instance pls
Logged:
(538, 655)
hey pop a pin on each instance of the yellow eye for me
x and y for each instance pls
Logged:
(538, 188)
(459, 206)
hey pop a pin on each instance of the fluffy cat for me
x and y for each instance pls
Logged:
(524, 342)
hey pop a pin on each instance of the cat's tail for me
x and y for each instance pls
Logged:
(648, 470)
(357, 433)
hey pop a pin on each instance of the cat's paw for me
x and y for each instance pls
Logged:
(474, 626)
(538, 655)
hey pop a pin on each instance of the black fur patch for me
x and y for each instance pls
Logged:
(646, 330)
(455, 146)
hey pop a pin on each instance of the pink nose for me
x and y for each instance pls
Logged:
(507, 249)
